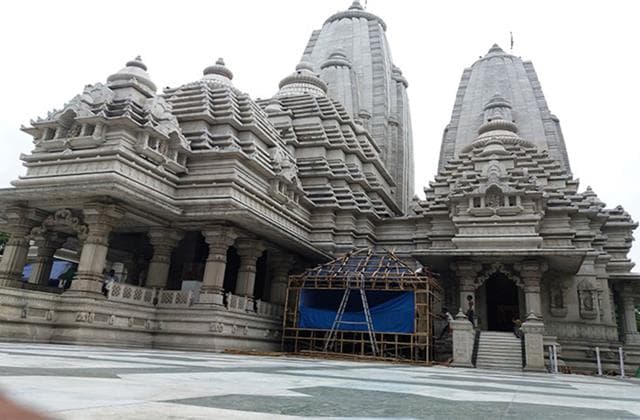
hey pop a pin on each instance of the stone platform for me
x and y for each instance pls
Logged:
(82, 382)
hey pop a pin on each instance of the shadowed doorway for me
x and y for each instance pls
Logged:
(502, 303)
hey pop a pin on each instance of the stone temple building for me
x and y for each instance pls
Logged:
(203, 201)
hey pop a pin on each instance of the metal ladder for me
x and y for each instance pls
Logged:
(359, 284)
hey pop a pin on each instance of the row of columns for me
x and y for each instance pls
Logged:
(220, 238)
(100, 219)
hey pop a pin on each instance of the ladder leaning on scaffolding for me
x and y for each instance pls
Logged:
(357, 283)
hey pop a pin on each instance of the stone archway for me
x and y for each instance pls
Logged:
(499, 296)
(502, 302)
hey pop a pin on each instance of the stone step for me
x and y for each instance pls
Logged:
(515, 353)
(499, 345)
(499, 350)
(507, 360)
(499, 367)
(505, 339)
(514, 362)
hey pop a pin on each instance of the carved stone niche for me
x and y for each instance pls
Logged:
(588, 300)
(557, 305)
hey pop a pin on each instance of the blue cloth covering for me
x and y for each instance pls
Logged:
(391, 312)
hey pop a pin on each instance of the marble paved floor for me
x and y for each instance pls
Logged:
(82, 382)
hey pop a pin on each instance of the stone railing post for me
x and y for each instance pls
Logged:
(219, 238)
(463, 338)
(249, 251)
(282, 264)
(533, 330)
(101, 219)
(20, 221)
(163, 241)
(47, 245)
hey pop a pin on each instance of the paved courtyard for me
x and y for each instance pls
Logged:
(82, 382)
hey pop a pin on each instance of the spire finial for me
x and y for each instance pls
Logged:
(356, 5)
(137, 62)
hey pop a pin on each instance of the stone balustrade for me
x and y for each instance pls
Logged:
(176, 298)
(132, 294)
(235, 303)
(268, 309)
(128, 293)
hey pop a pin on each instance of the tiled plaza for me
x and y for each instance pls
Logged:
(82, 382)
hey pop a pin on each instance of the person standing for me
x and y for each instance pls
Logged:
(447, 328)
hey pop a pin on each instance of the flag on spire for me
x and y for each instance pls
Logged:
(511, 34)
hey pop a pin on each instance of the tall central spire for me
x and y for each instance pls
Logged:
(495, 79)
(353, 57)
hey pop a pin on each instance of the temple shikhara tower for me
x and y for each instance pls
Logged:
(174, 218)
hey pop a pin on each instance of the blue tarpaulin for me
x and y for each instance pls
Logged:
(58, 268)
(391, 312)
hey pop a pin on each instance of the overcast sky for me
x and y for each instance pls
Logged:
(586, 55)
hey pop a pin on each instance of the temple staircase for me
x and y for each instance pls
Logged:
(499, 351)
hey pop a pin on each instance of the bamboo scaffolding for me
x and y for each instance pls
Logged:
(383, 272)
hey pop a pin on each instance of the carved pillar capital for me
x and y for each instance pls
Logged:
(163, 241)
(101, 219)
(467, 272)
(20, 221)
(281, 264)
(219, 238)
(249, 251)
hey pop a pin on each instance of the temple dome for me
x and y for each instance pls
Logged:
(134, 70)
(356, 11)
(302, 81)
(218, 73)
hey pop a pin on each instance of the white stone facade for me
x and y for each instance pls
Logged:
(199, 184)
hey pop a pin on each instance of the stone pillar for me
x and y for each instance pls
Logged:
(47, 245)
(467, 273)
(533, 330)
(163, 241)
(531, 274)
(219, 238)
(282, 264)
(100, 218)
(249, 251)
(463, 338)
(20, 221)
(631, 335)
